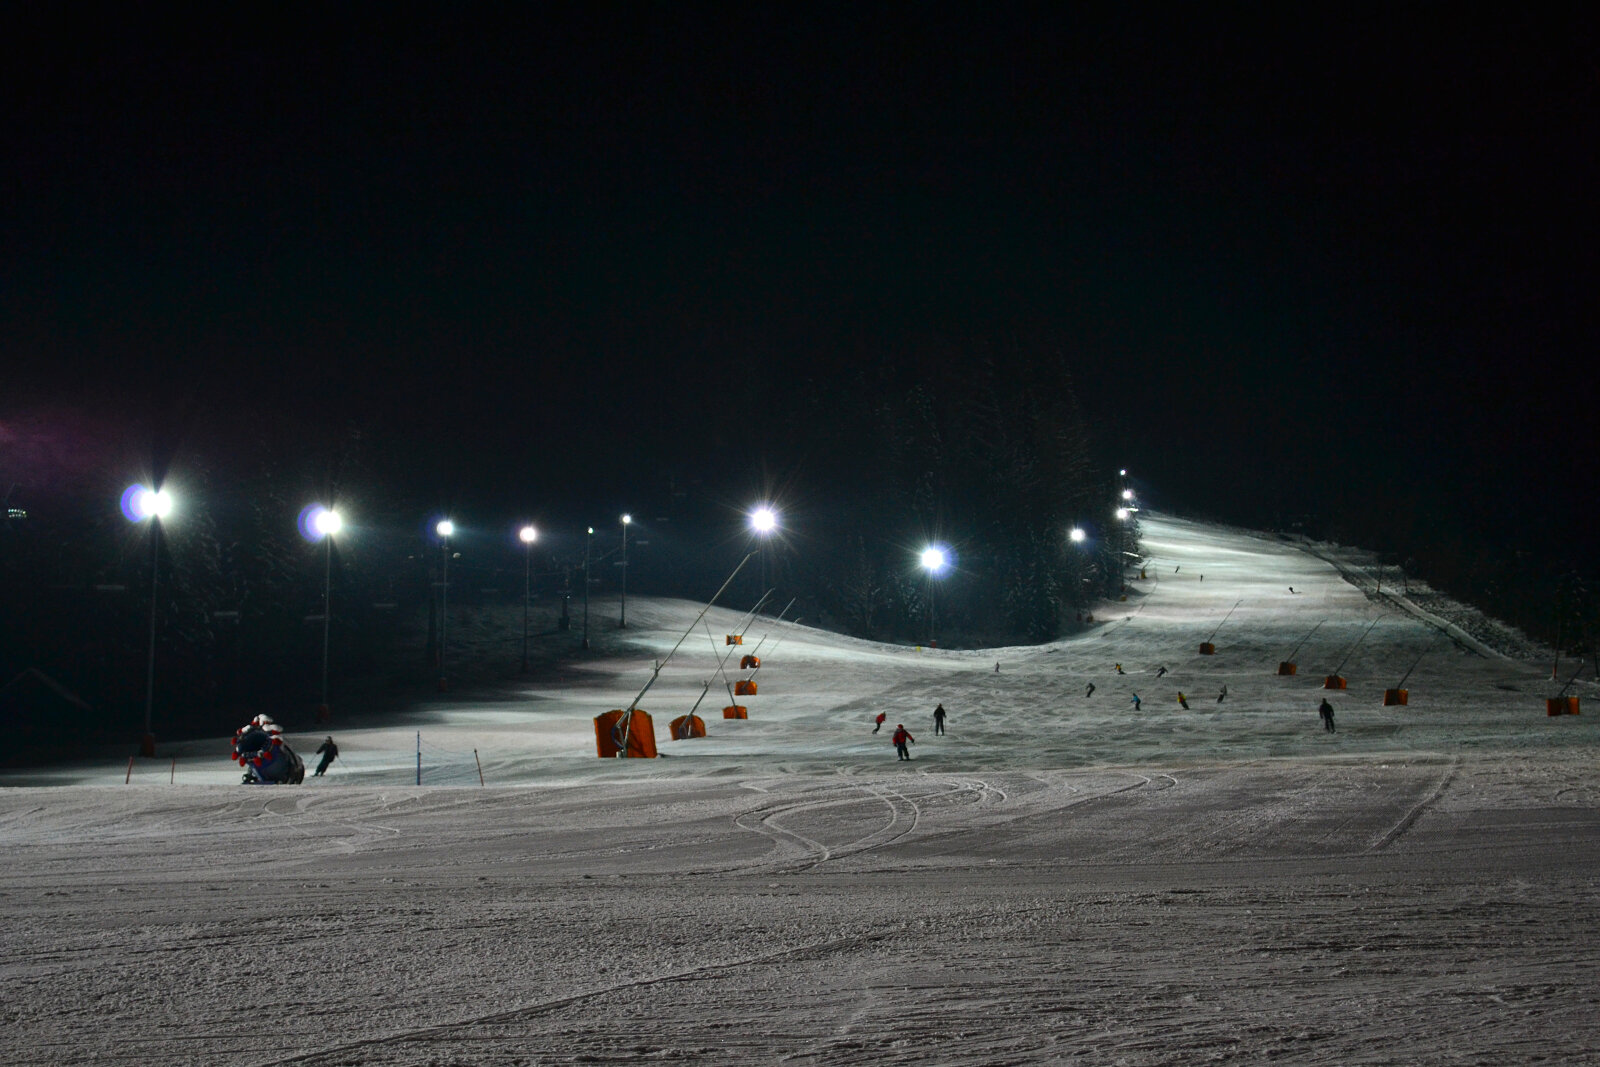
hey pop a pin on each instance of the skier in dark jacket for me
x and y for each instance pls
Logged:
(329, 752)
(1325, 709)
(901, 737)
(938, 719)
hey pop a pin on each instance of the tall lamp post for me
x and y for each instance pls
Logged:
(627, 520)
(934, 561)
(324, 523)
(763, 520)
(138, 504)
(529, 535)
(446, 529)
(588, 539)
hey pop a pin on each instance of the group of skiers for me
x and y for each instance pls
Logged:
(902, 737)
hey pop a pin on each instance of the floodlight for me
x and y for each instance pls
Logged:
(1077, 535)
(763, 520)
(1122, 513)
(446, 528)
(141, 502)
(933, 558)
(528, 534)
(326, 522)
(626, 519)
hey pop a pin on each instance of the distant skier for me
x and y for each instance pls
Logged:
(1160, 672)
(877, 724)
(1291, 589)
(329, 752)
(938, 719)
(1325, 709)
(1222, 695)
(1120, 670)
(1136, 702)
(1089, 692)
(1183, 700)
(997, 666)
(901, 737)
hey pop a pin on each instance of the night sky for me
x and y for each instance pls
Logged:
(1296, 259)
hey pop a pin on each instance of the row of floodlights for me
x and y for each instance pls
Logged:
(140, 502)
(315, 522)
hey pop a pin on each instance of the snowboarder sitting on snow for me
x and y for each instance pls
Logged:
(329, 752)
(901, 736)
(877, 724)
(938, 719)
(1325, 709)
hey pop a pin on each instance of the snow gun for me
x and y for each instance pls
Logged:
(259, 748)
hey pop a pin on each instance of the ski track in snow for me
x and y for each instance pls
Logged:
(1060, 879)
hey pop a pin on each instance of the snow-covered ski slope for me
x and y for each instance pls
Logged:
(1060, 878)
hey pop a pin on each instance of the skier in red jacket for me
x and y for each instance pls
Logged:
(901, 736)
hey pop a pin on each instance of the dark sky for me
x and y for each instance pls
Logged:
(1285, 250)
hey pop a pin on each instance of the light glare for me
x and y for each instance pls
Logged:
(141, 502)
(528, 534)
(1077, 534)
(763, 520)
(933, 558)
(446, 528)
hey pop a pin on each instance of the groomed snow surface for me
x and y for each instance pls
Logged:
(1060, 878)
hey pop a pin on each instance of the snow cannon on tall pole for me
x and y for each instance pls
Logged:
(1206, 647)
(1399, 694)
(629, 731)
(1336, 680)
(1561, 703)
(734, 710)
(691, 725)
(750, 661)
(1287, 665)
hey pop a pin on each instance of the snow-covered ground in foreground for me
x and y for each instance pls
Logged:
(1060, 878)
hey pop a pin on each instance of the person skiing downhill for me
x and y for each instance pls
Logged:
(1325, 709)
(901, 737)
(1222, 695)
(1183, 700)
(938, 719)
(1136, 702)
(1089, 692)
(329, 752)
(877, 724)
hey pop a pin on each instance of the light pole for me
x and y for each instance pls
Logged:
(529, 535)
(140, 503)
(588, 538)
(446, 529)
(627, 520)
(934, 561)
(1122, 518)
(324, 523)
(763, 520)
